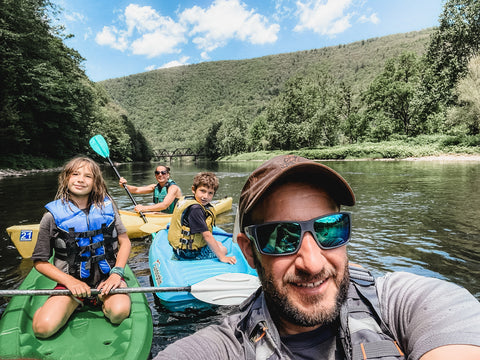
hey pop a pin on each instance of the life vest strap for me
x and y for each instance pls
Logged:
(375, 350)
(187, 242)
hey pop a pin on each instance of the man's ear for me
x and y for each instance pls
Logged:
(193, 190)
(247, 248)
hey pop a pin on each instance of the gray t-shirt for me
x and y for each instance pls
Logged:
(422, 314)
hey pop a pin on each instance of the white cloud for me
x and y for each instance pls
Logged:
(87, 33)
(324, 17)
(283, 10)
(156, 43)
(74, 17)
(142, 18)
(225, 20)
(112, 37)
(182, 61)
(372, 18)
(146, 33)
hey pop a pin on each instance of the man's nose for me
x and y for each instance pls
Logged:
(310, 257)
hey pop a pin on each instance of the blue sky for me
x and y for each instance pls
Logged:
(119, 38)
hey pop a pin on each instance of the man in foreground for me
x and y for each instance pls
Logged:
(312, 305)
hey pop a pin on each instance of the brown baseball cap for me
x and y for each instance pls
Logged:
(283, 166)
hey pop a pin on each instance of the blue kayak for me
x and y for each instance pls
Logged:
(167, 271)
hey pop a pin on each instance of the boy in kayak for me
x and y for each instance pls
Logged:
(165, 192)
(91, 248)
(190, 232)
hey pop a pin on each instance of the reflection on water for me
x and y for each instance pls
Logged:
(420, 217)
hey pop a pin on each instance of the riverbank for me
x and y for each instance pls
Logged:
(266, 156)
(17, 173)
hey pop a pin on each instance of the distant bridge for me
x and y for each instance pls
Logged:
(181, 152)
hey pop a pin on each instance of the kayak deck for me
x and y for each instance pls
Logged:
(167, 271)
(87, 335)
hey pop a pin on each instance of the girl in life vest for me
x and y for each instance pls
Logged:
(91, 248)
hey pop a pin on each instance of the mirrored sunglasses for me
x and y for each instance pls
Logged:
(163, 172)
(285, 237)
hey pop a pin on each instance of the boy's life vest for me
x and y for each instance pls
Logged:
(179, 235)
(84, 238)
(159, 194)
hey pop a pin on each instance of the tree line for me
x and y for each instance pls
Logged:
(434, 93)
(396, 87)
(375, 90)
(48, 107)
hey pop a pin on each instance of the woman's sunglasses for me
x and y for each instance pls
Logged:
(163, 172)
(285, 237)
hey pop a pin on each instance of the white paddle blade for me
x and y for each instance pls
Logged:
(226, 289)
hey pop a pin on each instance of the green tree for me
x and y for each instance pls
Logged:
(451, 46)
(392, 95)
(466, 114)
(232, 135)
(44, 95)
(305, 114)
(257, 134)
(48, 106)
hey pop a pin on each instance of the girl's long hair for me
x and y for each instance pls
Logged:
(99, 190)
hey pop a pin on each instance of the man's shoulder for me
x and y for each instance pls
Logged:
(213, 342)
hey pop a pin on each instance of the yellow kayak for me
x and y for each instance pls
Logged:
(24, 237)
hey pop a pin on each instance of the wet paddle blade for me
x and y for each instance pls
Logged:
(100, 146)
(226, 289)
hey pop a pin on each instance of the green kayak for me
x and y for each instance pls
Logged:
(87, 335)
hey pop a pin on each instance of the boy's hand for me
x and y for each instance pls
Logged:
(228, 259)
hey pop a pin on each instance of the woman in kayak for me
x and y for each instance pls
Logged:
(91, 248)
(166, 192)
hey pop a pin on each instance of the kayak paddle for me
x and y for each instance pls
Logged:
(100, 146)
(223, 289)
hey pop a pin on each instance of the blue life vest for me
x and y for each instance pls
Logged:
(85, 238)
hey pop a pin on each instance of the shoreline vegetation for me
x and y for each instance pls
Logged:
(383, 151)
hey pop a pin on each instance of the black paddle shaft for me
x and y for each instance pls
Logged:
(126, 189)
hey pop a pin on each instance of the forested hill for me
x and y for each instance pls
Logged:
(182, 106)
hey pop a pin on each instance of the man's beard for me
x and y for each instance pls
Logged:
(280, 305)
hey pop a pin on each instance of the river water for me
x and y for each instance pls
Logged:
(415, 216)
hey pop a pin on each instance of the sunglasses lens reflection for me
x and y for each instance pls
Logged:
(283, 238)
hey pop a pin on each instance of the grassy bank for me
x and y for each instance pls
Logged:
(431, 145)
(422, 146)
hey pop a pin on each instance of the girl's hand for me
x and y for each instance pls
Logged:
(78, 288)
(112, 282)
